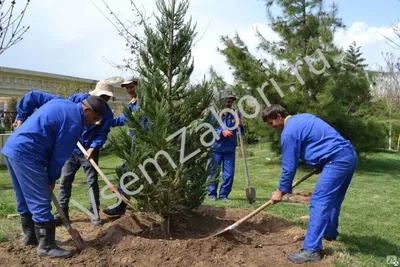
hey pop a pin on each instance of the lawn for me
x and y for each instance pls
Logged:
(368, 222)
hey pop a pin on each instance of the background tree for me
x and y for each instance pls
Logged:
(11, 30)
(387, 92)
(306, 72)
(353, 60)
(170, 110)
(70, 88)
(10, 114)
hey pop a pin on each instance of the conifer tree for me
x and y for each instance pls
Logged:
(353, 60)
(169, 153)
(306, 73)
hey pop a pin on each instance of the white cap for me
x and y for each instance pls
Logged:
(103, 87)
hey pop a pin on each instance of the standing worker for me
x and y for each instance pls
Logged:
(35, 154)
(92, 139)
(224, 151)
(130, 83)
(307, 137)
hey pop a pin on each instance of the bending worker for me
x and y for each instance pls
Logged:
(307, 137)
(35, 154)
(92, 139)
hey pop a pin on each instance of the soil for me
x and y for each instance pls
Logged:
(136, 240)
(298, 196)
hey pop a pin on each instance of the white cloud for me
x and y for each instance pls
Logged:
(363, 35)
(74, 38)
(371, 39)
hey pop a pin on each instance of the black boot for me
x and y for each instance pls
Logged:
(28, 229)
(57, 216)
(117, 211)
(46, 234)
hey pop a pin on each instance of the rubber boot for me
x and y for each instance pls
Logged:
(117, 211)
(57, 216)
(28, 230)
(46, 234)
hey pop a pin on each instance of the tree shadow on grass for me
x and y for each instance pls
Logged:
(372, 245)
(5, 187)
(375, 165)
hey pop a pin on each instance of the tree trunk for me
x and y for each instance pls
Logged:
(398, 143)
(165, 226)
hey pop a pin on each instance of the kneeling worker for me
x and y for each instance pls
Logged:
(35, 154)
(307, 137)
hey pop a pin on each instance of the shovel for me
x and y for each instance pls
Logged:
(265, 205)
(106, 180)
(78, 240)
(250, 191)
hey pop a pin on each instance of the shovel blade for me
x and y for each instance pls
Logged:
(78, 240)
(251, 194)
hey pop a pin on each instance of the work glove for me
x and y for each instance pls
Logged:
(227, 133)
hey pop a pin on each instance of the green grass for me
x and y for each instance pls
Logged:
(369, 218)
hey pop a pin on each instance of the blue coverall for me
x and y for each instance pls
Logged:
(36, 152)
(93, 136)
(133, 106)
(223, 153)
(307, 137)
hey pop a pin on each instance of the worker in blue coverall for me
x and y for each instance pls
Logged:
(92, 139)
(130, 83)
(309, 138)
(35, 154)
(224, 151)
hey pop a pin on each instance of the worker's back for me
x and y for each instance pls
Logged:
(34, 141)
(316, 139)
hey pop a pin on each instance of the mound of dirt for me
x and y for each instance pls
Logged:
(298, 196)
(136, 240)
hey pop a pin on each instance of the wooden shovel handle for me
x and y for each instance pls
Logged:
(106, 180)
(269, 202)
(243, 154)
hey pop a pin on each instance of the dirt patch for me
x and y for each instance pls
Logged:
(136, 240)
(298, 196)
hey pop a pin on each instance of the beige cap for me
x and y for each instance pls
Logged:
(103, 87)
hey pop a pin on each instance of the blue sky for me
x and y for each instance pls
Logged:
(73, 38)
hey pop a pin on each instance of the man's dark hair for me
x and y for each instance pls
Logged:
(272, 111)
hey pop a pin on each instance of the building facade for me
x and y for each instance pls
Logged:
(17, 82)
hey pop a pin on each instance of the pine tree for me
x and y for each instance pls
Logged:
(353, 60)
(306, 73)
(168, 129)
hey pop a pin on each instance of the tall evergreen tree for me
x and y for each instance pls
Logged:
(306, 73)
(169, 152)
(353, 60)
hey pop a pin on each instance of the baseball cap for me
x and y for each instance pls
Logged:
(96, 104)
(129, 79)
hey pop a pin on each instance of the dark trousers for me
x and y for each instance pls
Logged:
(69, 170)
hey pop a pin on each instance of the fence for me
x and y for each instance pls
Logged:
(3, 140)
